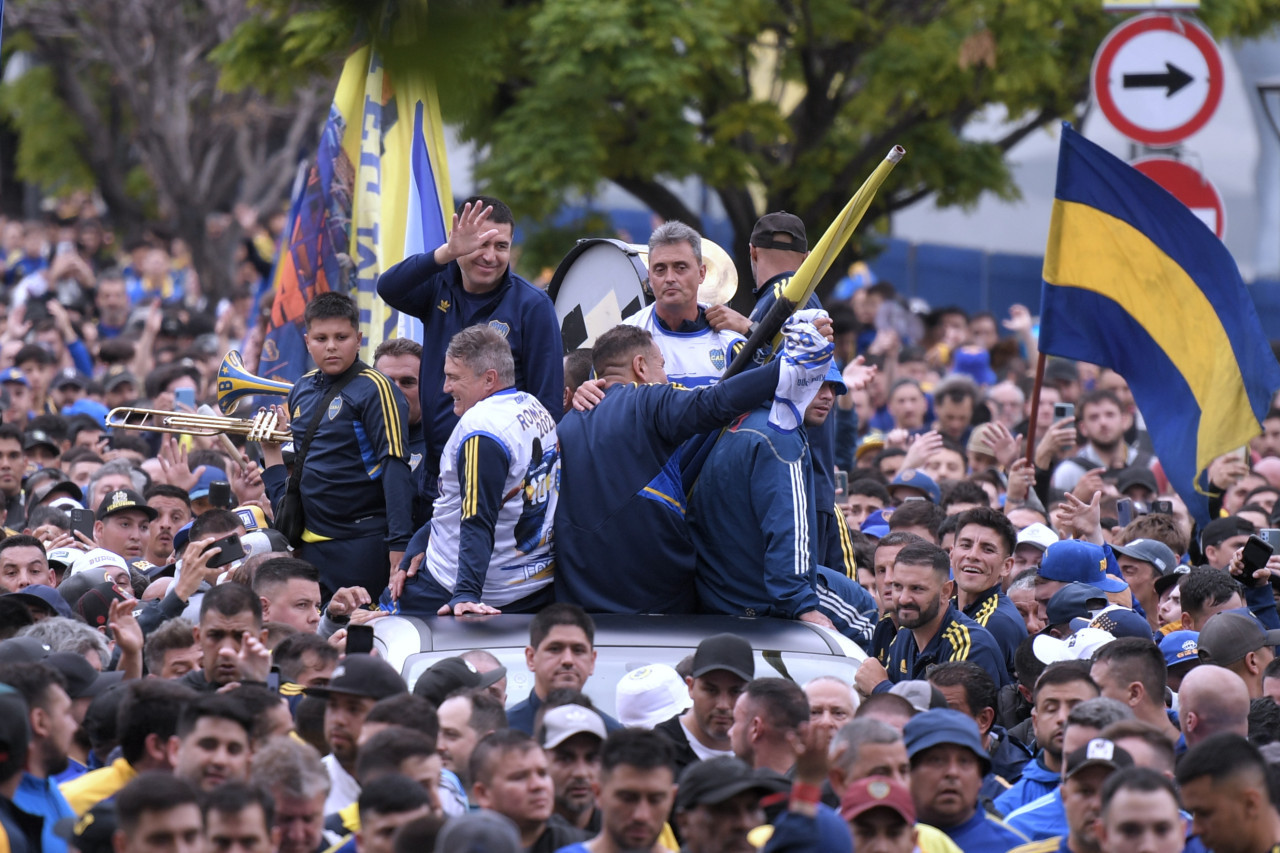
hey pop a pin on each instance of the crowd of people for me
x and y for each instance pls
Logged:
(1058, 656)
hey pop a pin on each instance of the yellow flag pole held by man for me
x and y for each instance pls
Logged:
(815, 266)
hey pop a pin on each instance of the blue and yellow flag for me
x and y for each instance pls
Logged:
(1134, 281)
(379, 191)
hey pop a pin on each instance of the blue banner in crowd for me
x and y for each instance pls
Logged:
(1134, 281)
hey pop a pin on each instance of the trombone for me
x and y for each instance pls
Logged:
(263, 426)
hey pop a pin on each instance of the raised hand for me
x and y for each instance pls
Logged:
(471, 230)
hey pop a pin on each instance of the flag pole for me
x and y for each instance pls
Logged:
(1035, 409)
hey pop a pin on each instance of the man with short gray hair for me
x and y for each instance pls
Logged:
(488, 546)
(695, 353)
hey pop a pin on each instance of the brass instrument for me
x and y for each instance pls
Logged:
(264, 426)
(235, 383)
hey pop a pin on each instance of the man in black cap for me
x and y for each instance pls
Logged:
(1083, 776)
(722, 666)
(41, 449)
(1222, 537)
(718, 804)
(123, 518)
(451, 674)
(358, 682)
(1143, 562)
(21, 830)
(52, 726)
(1239, 642)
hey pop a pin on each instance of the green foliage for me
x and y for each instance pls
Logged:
(543, 245)
(48, 134)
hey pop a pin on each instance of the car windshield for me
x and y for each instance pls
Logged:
(614, 662)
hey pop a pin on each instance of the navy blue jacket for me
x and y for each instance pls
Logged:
(422, 288)
(996, 612)
(752, 519)
(958, 638)
(355, 480)
(621, 543)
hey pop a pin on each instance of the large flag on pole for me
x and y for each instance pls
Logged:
(1134, 281)
(378, 191)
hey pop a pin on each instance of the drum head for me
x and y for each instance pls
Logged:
(597, 284)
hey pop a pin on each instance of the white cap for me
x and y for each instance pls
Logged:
(1079, 646)
(65, 556)
(66, 502)
(99, 558)
(650, 695)
(1038, 535)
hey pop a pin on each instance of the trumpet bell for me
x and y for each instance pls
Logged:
(235, 383)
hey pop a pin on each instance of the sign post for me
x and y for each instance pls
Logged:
(1188, 186)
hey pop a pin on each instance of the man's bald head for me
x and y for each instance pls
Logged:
(1212, 700)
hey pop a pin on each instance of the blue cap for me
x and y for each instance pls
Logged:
(181, 537)
(45, 595)
(835, 377)
(1074, 560)
(13, 374)
(1119, 622)
(943, 726)
(210, 476)
(1072, 602)
(877, 524)
(85, 406)
(1180, 647)
(916, 479)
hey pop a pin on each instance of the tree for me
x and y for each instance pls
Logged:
(774, 104)
(137, 110)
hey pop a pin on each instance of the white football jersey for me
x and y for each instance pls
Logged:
(693, 358)
(521, 562)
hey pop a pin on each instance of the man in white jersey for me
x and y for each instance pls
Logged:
(695, 353)
(488, 545)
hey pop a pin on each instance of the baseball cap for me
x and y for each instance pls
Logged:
(714, 780)
(14, 374)
(1180, 647)
(79, 675)
(210, 476)
(922, 695)
(1136, 475)
(780, 230)
(450, 674)
(564, 721)
(23, 650)
(1098, 752)
(1037, 535)
(1082, 645)
(62, 485)
(944, 726)
(115, 378)
(362, 675)
(34, 438)
(877, 792)
(94, 607)
(1228, 637)
(974, 362)
(877, 524)
(69, 376)
(264, 541)
(1118, 622)
(915, 479)
(1074, 560)
(15, 734)
(872, 442)
(252, 517)
(724, 651)
(1150, 551)
(86, 406)
(1170, 578)
(66, 503)
(92, 831)
(98, 558)
(1221, 529)
(835, 377)
(1061, 370)
(121, 500)
(64, 557)
(43, 596)
(1073, 602)
(650, 695)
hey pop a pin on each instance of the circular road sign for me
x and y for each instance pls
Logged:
(1158, 78)
(1188, 186)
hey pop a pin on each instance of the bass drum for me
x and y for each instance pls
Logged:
(602, 281)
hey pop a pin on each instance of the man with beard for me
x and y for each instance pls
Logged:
(571, 736)
(718, 805)
(1100, 418)
(722, 666)
(637, 790)
(52, 726)
(887, 628)
(357, 684)
(173, 509)
(1061, 687)
(936, 630)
